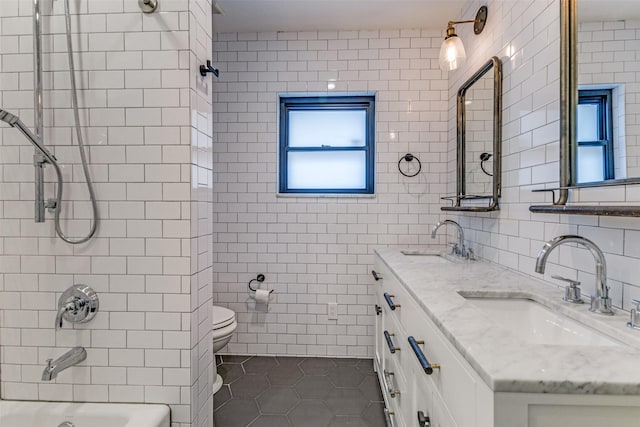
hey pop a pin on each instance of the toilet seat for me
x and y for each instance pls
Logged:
(222, 317)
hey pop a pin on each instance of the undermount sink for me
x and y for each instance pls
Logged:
(537, 324)
(430, 257)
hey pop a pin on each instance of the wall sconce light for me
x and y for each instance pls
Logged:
(452, 53)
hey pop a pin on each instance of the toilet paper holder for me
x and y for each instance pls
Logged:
(259, 278)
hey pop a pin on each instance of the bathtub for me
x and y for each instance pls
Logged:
(52, 414)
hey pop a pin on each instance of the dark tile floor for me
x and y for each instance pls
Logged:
(297, 392)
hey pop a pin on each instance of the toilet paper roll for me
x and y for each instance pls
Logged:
(262, 296)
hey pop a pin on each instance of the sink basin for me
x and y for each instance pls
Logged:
(428, 257)
(536, 324)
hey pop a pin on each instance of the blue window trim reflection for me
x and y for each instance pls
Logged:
(602, 98)
(327, 103)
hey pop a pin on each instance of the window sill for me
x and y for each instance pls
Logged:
(326, 195)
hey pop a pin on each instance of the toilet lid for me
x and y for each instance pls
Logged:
(222, 317)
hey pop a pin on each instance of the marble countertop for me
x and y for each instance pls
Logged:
(503, 360)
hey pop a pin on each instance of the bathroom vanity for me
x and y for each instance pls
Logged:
(471, 344)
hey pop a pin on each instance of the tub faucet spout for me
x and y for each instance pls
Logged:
(600, 302)
(70, 358)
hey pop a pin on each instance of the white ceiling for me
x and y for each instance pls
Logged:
(310, 15)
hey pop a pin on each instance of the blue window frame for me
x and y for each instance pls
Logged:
(327, 144)
(595, 136)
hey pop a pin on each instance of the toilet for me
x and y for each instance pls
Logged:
(224, 325)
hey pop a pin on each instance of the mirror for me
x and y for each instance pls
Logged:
(606, 147)
(479, 117)
(610, 53)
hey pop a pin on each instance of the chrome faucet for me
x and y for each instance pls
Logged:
(70, 358)
(458, 248)
(600, 302)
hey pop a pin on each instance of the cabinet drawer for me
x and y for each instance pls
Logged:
(441, 417)
(394, 387)
(422, 391)
(393, 343)
(392, 294)
(452, 381)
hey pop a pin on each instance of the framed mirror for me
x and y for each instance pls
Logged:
(479, 139)
(599, 101)
(606, 147)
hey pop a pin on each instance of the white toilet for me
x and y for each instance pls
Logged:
(224, 325)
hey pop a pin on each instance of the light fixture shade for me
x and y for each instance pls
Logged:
(452, 54)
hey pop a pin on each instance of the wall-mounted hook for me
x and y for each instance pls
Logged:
(204, 69)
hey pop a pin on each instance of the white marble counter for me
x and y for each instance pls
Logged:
(506, 362)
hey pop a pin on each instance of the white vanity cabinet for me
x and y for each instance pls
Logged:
(454, 394)
(448, 396)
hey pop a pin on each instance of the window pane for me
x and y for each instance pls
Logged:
(588, 122)
(315, 128)
(327, 170)
(590, 163)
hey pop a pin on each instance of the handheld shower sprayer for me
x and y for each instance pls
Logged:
(15, 122)
(43, 155)
(54, 204)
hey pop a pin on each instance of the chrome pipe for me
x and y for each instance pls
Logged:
(38, 165)
(38, 108)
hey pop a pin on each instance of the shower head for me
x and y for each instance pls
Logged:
(15, 121)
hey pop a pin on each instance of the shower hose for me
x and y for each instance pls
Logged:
(81, 148)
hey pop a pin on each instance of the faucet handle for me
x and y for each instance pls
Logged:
(571, 292)
(471, 256)
(634, 322)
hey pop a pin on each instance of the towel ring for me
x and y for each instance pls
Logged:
(409, 158)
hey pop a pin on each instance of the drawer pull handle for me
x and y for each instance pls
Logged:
(392, 348)
(390, 302)
(426, 366)
(423, 421)
(387, 417)
(387, 373)
(376, 275)
(378, 310)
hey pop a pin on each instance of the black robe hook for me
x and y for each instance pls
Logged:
(204, 69)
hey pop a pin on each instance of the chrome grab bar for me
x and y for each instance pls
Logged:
(426, 366)
(387, 374)
(387, 417)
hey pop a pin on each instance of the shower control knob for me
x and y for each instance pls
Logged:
(148, 6)
(78, 304)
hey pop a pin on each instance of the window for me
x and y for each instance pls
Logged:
(595, 136)
(327, 145)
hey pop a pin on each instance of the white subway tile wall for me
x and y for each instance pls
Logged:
(525, 36)
(147, 116)
(319, 250)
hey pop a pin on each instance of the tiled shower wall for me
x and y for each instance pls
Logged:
(525, 36)
(316, 250)
(146, 115)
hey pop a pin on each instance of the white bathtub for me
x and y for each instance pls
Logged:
(52, 414)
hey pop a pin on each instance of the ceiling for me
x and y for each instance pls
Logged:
(311, 15)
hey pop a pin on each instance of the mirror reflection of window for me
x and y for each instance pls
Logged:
(595, 151)
(608, 57)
